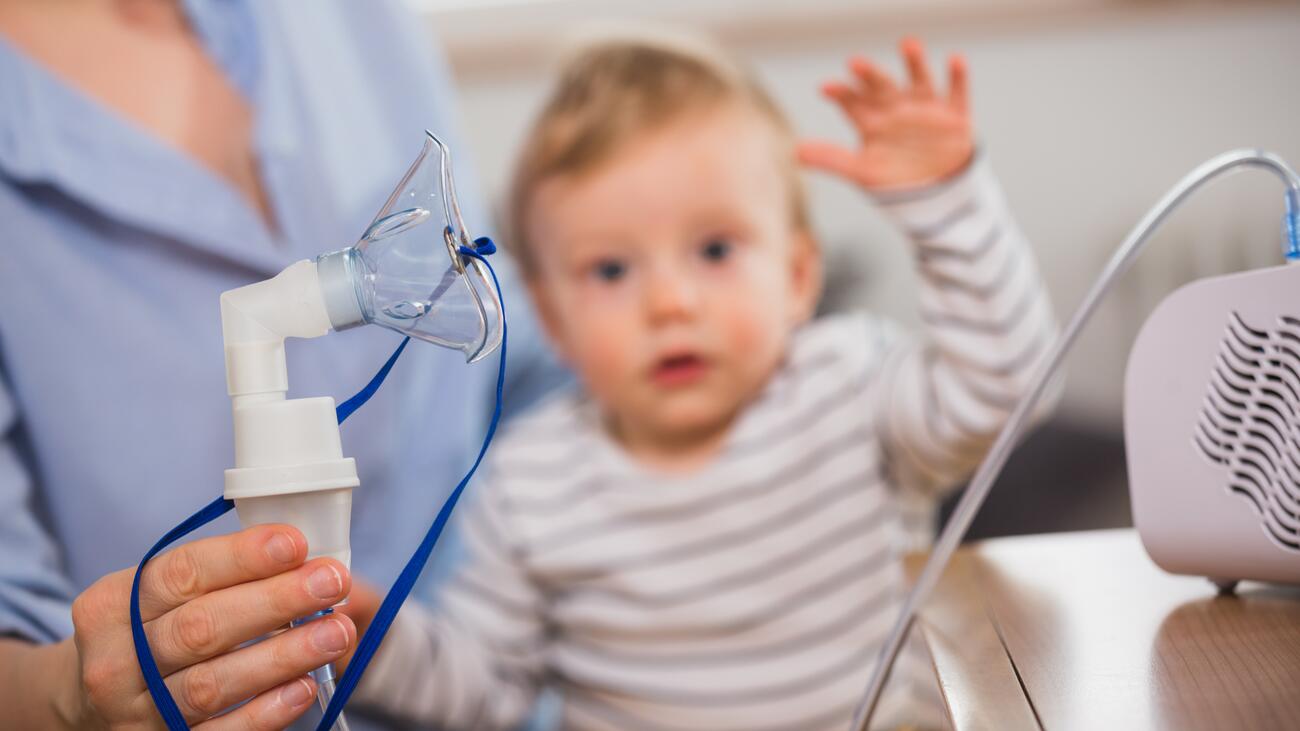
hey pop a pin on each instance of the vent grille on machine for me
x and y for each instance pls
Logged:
(1250, 421)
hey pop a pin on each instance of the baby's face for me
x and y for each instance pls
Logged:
(671, 276)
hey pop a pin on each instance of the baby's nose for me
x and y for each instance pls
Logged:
(671, 295)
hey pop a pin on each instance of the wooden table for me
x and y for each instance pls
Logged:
(1083, 631)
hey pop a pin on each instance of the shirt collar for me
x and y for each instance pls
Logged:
(52, 133)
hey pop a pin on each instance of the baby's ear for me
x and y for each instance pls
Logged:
(806, 276)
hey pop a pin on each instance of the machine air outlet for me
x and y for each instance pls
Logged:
(1250, 422)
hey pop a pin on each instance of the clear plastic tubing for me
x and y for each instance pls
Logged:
(324, 676)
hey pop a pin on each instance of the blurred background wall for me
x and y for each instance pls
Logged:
(1089, 109)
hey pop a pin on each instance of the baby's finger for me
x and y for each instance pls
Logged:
(917, 69)
(850, 102)
(274, 709)
(830, 157)
(880, 89)
(958, 83)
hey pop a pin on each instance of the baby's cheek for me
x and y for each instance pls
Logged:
(603, 357)
(757, 309)
(757, 334)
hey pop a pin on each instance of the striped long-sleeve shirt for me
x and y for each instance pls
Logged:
(753, 593)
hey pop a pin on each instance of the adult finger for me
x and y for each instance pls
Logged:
(879, 88)
(918, 71)
(271, 710)
(958, 83)
(206, 688)
(216, 622)
(204, 566)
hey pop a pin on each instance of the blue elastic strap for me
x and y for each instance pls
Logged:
(162, 697)
(152, 678)
(406, 580)
(345, 409)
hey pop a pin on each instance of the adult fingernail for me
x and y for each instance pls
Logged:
(297, 693)
(325, 582)
(280, 548)
(329, 635)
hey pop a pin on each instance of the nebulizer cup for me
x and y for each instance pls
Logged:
(407, 273)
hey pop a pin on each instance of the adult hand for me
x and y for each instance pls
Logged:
(909, 135)
(198, 603)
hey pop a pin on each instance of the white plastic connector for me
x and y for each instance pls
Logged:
(257, 318)
(289, 463)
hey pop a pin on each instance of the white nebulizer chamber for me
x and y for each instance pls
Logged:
(290, 469)
(289, 463)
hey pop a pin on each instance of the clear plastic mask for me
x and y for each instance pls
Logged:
(407, 272)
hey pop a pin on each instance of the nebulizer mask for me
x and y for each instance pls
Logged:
(415, 270)
(386, 278)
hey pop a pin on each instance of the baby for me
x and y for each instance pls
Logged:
(705, 535)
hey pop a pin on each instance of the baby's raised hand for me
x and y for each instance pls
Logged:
(909, 135)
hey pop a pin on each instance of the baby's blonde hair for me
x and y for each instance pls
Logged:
(615, 90)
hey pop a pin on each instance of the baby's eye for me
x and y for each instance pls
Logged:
(609, 270)
(716, 249)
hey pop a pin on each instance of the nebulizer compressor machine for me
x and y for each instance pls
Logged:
(1212, 403)
(415, 270)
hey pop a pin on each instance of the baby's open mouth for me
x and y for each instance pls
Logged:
(679, 369)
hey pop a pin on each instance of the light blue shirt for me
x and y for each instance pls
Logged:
(114, 419)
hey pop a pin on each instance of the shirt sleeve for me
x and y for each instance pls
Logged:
(476, 660)
(941, 399)
(35, 595)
